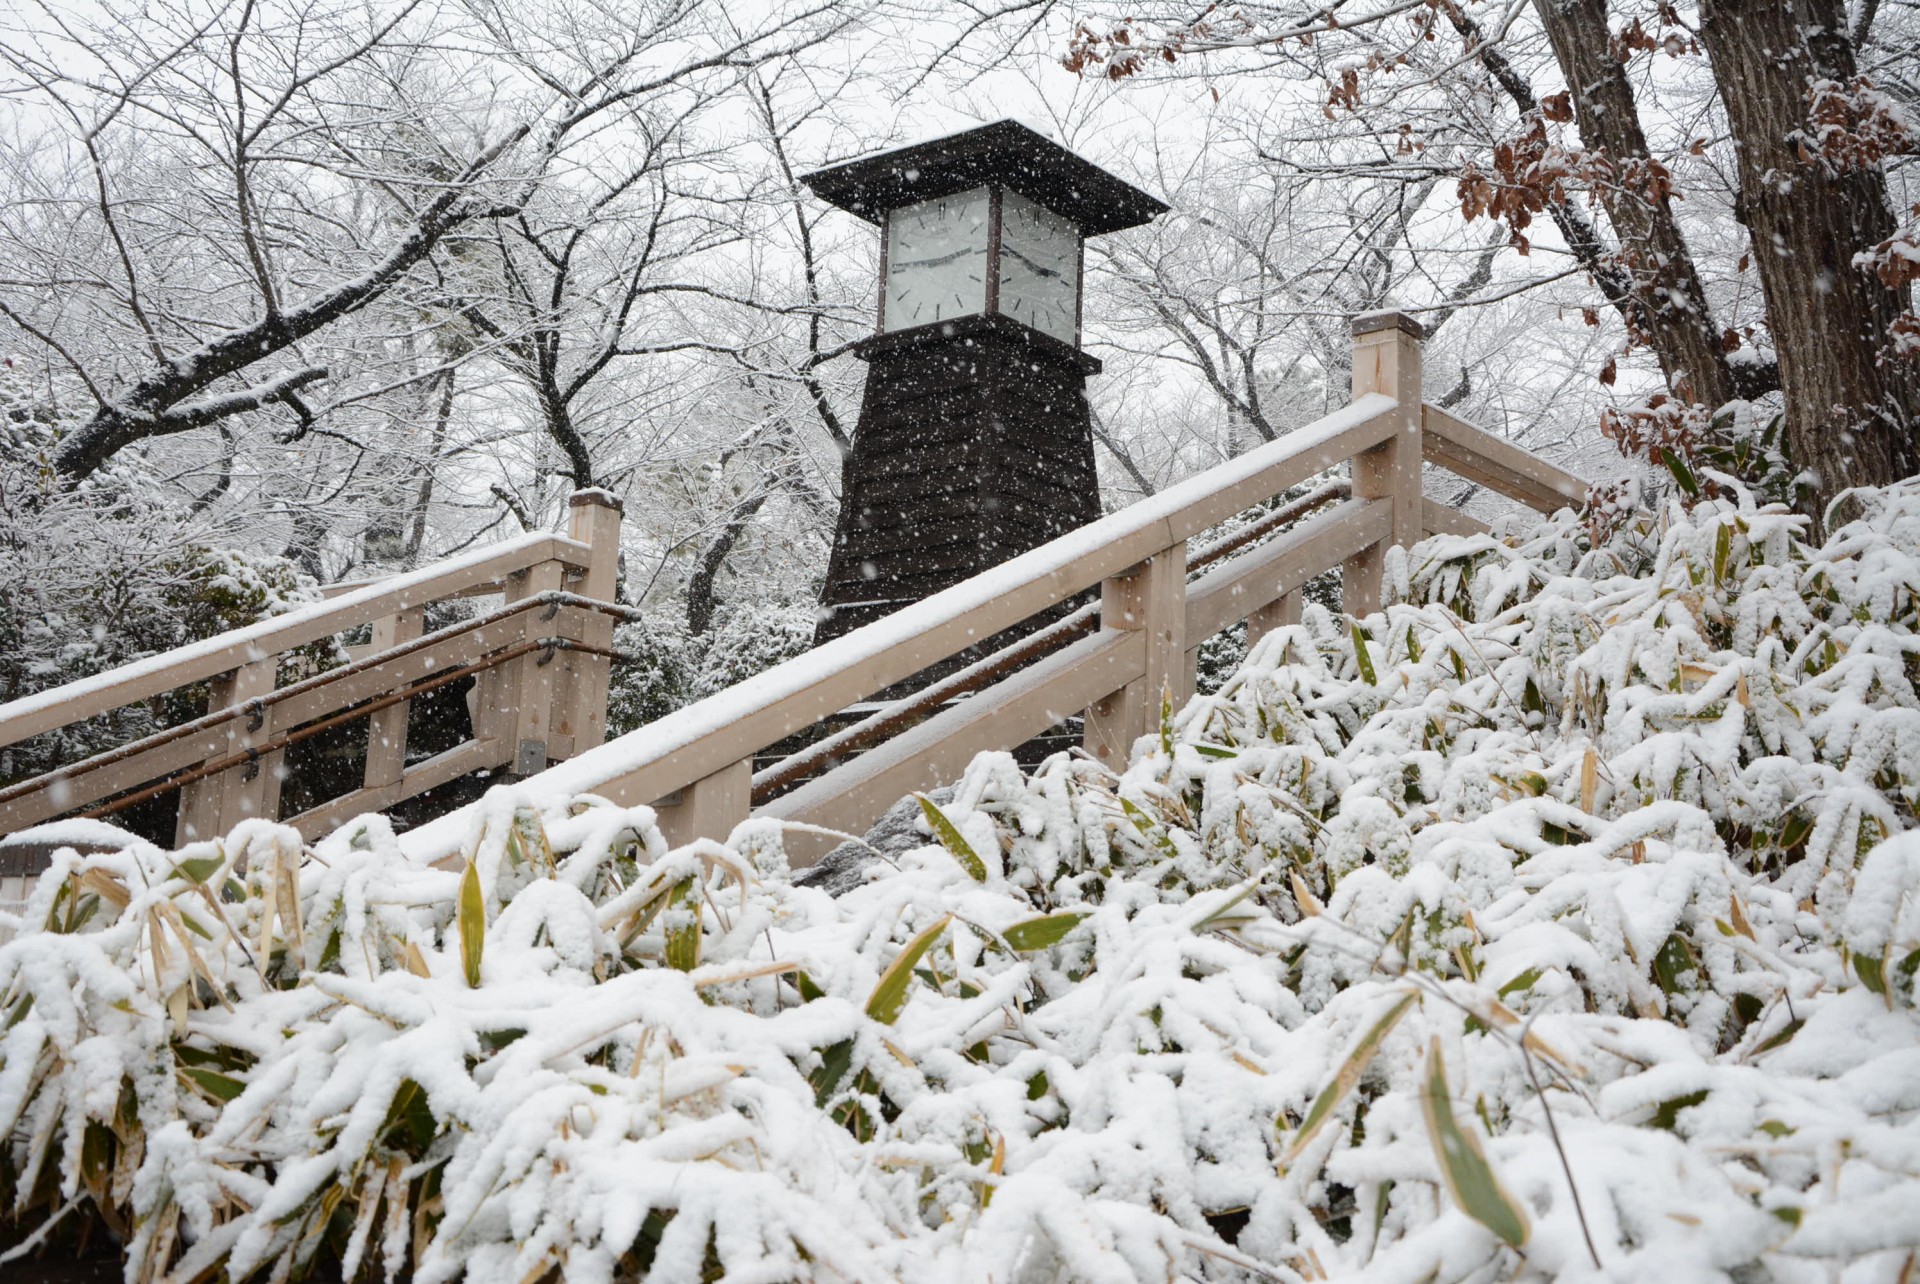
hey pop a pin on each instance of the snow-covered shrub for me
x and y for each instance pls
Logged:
(749, 638)
(1554, 922)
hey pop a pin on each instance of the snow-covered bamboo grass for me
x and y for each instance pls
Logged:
(1577, 870)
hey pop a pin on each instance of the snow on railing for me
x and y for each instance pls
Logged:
(1155, 608)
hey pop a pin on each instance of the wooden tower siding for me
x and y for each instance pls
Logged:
(974, 444)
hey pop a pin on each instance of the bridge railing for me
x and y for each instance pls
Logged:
(541, 657)
(539, 662)
(696, 764)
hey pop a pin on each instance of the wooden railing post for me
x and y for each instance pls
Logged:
(580, 694)
(709, 807)
(1150, 597)
(212, 805)
(387, 728)
(525, 686)
(1386, 359)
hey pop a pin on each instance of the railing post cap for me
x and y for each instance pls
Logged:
(594, 495)
(1375, 322)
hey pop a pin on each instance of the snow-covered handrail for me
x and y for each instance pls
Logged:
(696, 763)
(529, 709)
(544, 683)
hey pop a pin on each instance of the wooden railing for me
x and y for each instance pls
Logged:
(1108, 663)
(696, 765)
(540, 664)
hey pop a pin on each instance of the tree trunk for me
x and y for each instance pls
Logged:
(702, 602)
(1666, 304)
(1849, 418)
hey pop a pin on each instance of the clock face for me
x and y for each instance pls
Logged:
(937, 260)
(1039, 267)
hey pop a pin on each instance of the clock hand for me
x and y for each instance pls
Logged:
(1006, 249)
(933, 262)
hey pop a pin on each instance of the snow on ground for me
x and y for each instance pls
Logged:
(1560, 921)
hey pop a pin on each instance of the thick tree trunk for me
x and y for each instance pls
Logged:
(1849, 418)
(1666, 303)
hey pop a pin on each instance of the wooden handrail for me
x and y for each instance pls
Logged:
(541, 662)
(1497, 463)
(59, 706)
(725, 729)
(1156, 608)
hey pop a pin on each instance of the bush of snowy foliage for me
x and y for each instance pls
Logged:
(1562, 913)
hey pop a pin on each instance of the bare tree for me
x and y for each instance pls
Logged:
(296, 167)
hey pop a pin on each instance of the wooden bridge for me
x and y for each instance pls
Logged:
(540, 658)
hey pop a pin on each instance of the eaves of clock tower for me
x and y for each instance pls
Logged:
(974, 441)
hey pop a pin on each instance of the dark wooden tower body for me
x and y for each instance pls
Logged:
(971, 449)
(975, 440)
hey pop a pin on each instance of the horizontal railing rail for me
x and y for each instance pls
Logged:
(226, 764)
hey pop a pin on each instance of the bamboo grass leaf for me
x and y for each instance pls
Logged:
(950, 838)
(889, 997)
(1344, 1080)
(683, 925)
(471, 915)
(1362, 658)
(1470, 1178)
(1039, 933)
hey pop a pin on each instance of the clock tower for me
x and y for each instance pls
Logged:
(974, 442)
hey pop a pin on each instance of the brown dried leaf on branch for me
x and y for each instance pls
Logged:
(1855, 125)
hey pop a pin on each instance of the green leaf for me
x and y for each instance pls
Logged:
(1348, 1075)
(1871, 972)
(808, 987)
(1522, 983)
(527, 842)
(218, 1086)
(199, 869)
(1470, 1178)
(889, 997)
(1215, 751)
(471, 916)
(1780, 1039)
(1362, 658)
(1039, 933)
(683, 939)
(1166, 721)
(1722, 552)
(1674, 964)
(1666, 1115)
(834, 1063)
(949, 835)
(1682, 475)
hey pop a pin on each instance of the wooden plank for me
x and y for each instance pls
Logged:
(31, 715)
(1386, 359)
(708, 808)
(531, 707)
(1498, 464)
(1151, 601)
(580, 698)
(851, 797)
(387, 728)
(474, 755)
(700, 739)
(63, 795)
(1235, 589)
(1438, 519)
